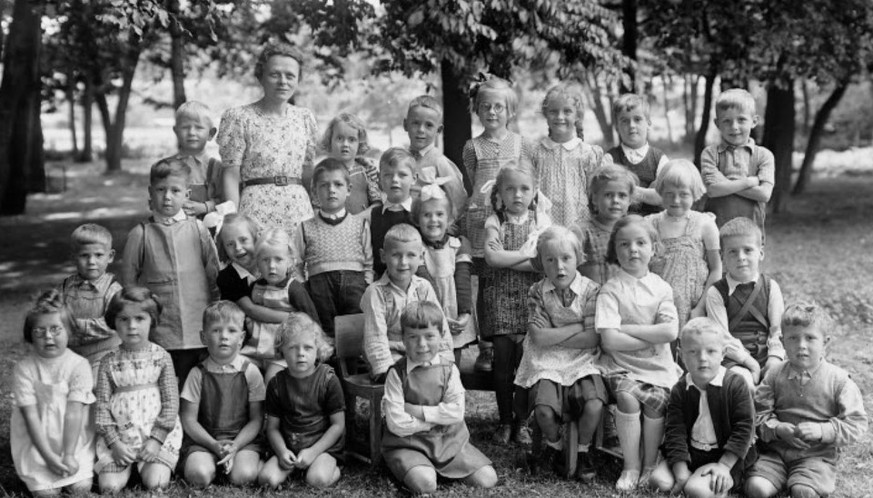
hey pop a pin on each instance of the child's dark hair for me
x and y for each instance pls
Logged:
(167, 167)
(572, 94)
(740, 227)
(806, 314)
(222, 312)
(234, 219)
(90, 233)
(610, 172)
(48, 303)
(395, 156)
(300, 324)
(627, 103)
(328, 165)
(354, 122)
(421, 315)
(625, 221)
(497, 203)
(137, 296)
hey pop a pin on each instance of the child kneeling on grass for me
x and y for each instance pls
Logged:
(424, 411)
(710, 420)
(222, 404)
(305, 408)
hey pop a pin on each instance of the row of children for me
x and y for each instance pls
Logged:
(504, 224)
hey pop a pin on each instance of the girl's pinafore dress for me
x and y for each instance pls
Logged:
(440, 263)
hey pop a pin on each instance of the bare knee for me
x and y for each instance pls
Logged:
(662, 479)
(243, 474)
(421, 480)
(199, 476)
(155, 476)
(486, 478)
(758, 487)
(698, 487)
(802, 491)
(81, 487)
(112, 482)
(626, 403)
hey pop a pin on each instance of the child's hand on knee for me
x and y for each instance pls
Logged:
(150, 450)
(122, 454)
(681, 474)
(227, 452)
(305, 458)
(809, 432)
(720, 480)
(287, 459)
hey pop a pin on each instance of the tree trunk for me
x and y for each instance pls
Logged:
(20, 147)
(87, 154)
(700, 139)
(804, 85)
(779, 127)
(71, 99)
(456, 110)
(815, 133)
(629, 40)
(599, 111)
(177, 54)
(667, 80)
(115, 132)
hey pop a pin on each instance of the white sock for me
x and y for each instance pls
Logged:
(628, 427)
(583, 448)
(653, 434)
(558, 445)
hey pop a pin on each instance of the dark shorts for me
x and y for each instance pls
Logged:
(653, 397)
(699, 458)
(568, 401)
(817, 473)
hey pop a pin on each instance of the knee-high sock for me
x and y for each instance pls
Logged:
(628, 427)
(653, 434)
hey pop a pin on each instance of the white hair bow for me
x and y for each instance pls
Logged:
(431, 191)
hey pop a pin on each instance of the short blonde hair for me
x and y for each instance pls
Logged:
(627, 103)
(735, 98)
(235, 219)
(740, 226)
(421, 315)
(680, 173)
(699, 326)
(427, 101)
(610, 172)
(223, 312)
(298, 325)
(806, 314)
(397, 156)
(557, 233)
(90, 233)
(401, 233)
(194, 109)
(353, 121)
(273, 238)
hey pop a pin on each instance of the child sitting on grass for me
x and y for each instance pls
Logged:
(808, 409)
(87, 293)
(222, 404)
(424, 410)
(710, 421)
(305, 408)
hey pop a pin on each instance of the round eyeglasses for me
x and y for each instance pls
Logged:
(488, 107)
(42, 332)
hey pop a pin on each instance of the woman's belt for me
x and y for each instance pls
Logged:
(279, 181)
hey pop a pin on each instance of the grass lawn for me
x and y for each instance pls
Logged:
(822, 250)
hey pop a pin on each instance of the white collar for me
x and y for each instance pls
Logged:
(577, 285)
(635, 155)
(405, 205)
(335, 216)
(627, 277)
(718, 380)
(733, 283)
(243, 272)
(180, 216)
(568, 145)
(235, 364)
(422, 152)
(412, 365)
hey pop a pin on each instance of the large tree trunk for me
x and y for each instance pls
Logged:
(177, 54)
(456, 104)
(779, 127)
(629, 41)
(690, 100)
(21, 158)
(87, 154)
(115, 131)
(815, 133)
(700, 139)
(71, 100)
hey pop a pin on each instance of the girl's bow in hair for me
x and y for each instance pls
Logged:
(431, 191)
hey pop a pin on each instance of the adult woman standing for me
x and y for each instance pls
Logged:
(265, 145)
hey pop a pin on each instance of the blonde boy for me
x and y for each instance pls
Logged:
(87, 293)
(807, 409)
(193, 130)
(423, 124)
(630, 115)
(384, 301)
(746, 304)
(738, 174)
